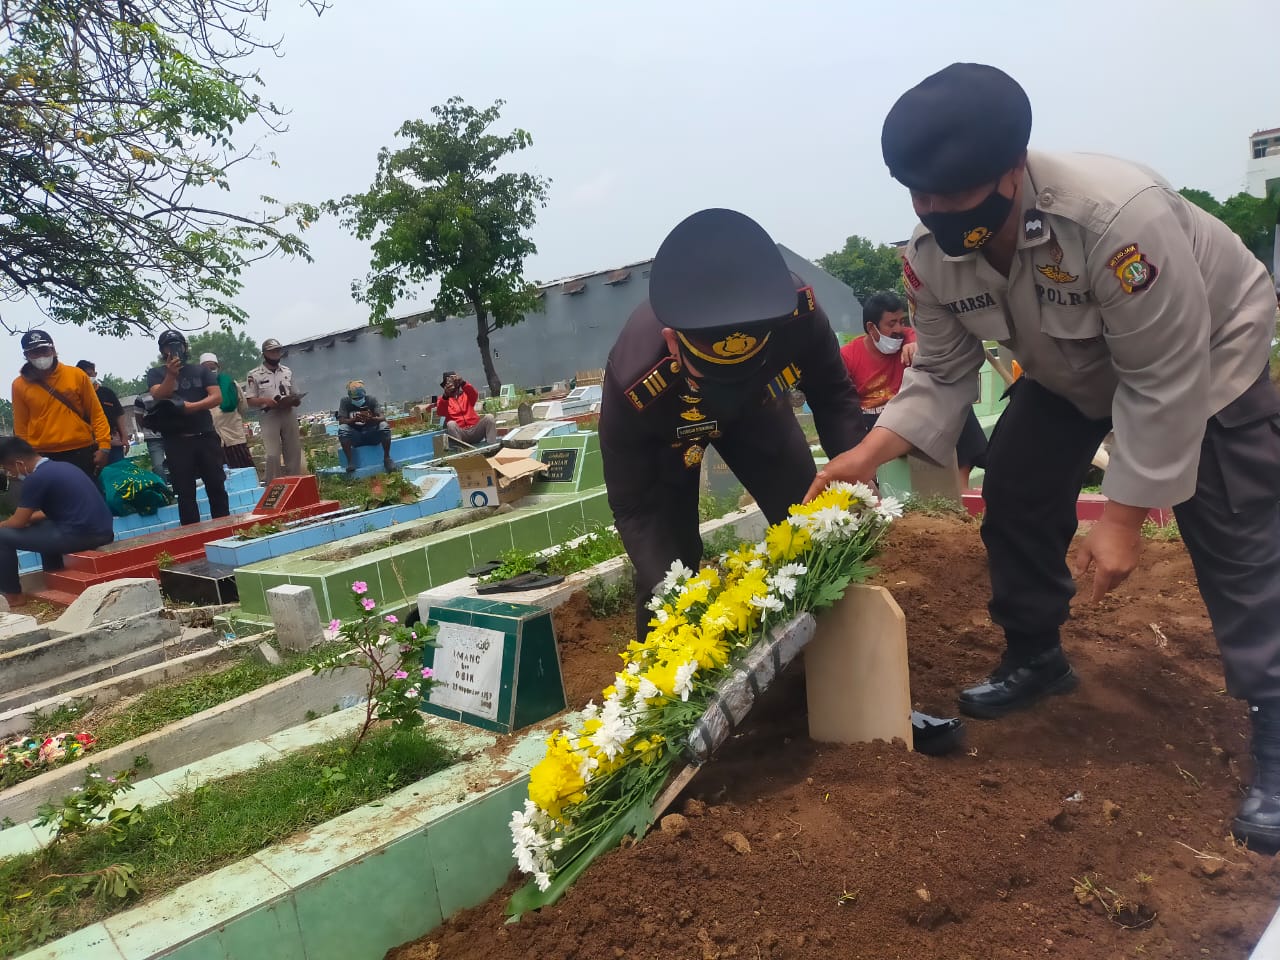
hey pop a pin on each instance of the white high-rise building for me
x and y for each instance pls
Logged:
(1262, 176)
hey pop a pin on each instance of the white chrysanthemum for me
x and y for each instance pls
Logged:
(684, 679)
(830, 523)
(792, 570)
(661, 615)
(675, 576)
(587, 768)
(531, 829)
(889, 508)
(768, 602)
(617, 727)
(543, 880)
(647, 690)
(633, 668)
(782, 584)
(863, 492)
(590, 711)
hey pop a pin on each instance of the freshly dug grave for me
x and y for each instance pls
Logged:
(872, 852)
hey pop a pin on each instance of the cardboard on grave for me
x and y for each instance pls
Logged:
(504, 477)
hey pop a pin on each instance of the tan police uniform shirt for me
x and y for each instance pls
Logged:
(263, 382)
(1123, 298)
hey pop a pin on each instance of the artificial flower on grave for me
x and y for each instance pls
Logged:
(598, 782)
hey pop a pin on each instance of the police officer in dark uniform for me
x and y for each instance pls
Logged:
(708, 360)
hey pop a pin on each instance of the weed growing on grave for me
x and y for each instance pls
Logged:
(935, 506)
(713, 506)
(721, 541)
(391, 655)
(262, 529)
(1169, 533)
(606, 599)
(94, 873)
(164, 560)
(512, 563)
(597, 545)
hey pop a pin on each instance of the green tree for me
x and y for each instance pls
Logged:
(124, 388)
(6, 417)
(237, 352)
(1252, 219)
(865, 267)
(116, 125)
(438, 208)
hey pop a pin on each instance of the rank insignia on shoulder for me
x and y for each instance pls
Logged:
(654, 383)
(786, 380)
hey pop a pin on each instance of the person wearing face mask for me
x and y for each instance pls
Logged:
(709, 360)
(361, 424)
(876, 362)
(113, 410)
(269, 388)
(60, 511)
(56, 409)
(1128, 308)
(184, 394)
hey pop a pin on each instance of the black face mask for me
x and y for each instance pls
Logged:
(964, 231)
(270, 363)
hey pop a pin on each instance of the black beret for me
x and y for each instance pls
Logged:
(719, 269)
(958, 129)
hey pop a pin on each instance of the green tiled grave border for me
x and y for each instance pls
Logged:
(396, 574)
(353, 887)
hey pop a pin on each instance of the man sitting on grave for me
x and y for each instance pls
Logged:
(60, 510)
(361, 424)
(457, 408)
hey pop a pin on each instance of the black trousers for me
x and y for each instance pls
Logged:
(766, 451)
(192, 457)
(1038, 457)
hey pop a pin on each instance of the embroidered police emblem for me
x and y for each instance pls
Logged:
(693, 415)
(693, 456)
(1053, 271)
(1132, 268)
(976, 238)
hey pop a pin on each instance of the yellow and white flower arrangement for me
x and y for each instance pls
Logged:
(598, 782)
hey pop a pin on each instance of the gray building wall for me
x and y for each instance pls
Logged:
(574, 332)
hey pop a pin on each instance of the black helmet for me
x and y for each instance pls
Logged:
(171, 341)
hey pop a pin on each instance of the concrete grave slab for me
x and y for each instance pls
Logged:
(294, 611)
(107, 602)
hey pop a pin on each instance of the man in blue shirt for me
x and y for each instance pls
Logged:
(60, 511)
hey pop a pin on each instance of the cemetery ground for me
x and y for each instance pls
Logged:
(1094, 826)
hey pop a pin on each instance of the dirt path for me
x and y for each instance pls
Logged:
(870, 852)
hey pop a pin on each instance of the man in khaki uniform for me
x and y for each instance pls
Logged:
(1129, 309)
(269, 388)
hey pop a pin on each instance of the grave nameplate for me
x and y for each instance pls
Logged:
(560, 465)
(496, 665)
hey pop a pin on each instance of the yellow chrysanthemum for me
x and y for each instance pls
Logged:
(785, 542)
(555, 781)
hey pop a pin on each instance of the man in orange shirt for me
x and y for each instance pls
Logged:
(876, 362)
(56, 409)
(457, 408)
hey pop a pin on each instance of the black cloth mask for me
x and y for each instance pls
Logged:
(963, 231)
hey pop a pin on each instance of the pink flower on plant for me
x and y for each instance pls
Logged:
(360, 587)
(335, 626)
(368, 603)
(400, 675)
(427, 673)
(391, 618)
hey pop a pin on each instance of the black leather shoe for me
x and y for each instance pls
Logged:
(1258, 821)
(934, 736)
(1016, 685)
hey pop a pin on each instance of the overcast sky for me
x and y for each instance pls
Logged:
(642, 113)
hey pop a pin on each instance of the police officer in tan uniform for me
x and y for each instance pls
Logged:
(708, 360)
(1129, 309)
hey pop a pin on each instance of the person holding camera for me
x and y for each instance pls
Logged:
(184, 394)
(457, 408)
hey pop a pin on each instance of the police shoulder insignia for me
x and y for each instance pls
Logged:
(654, 383)
(693, 456)
(912, 280)
(1132, 268)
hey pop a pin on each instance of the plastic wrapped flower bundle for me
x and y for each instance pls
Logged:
(708, 636)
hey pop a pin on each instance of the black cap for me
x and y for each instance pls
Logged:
(35, 338)
(444, 377)
(958, 129)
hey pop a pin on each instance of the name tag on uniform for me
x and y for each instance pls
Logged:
(698, 429)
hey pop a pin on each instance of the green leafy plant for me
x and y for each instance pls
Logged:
(513, 563)
(391, 655)
(87, 806)
(605, 599)
(263, 528)
(164, 560)
(1169, 532)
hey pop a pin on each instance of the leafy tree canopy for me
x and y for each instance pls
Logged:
(865, 267)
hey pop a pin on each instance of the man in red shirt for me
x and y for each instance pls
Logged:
(876, 361)
(457, 408)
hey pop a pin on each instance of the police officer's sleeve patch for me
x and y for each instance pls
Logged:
(1132, 268)
(654, 383)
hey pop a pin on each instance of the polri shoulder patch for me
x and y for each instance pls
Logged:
(654, 383)
(1132, 268)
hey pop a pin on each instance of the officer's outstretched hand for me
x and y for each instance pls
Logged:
(1111, 549)
(852, 466)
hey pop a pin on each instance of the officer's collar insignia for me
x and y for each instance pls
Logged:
(1034, 226)
(736, 347)
(808, 303)
(1053, 271)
